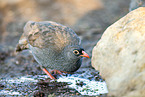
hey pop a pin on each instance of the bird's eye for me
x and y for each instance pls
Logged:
(76, 52)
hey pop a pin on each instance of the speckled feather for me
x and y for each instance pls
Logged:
(47, 34)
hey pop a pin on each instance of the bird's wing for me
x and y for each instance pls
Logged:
(48, 34)
(23, 43)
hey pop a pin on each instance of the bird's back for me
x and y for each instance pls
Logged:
(47, 34)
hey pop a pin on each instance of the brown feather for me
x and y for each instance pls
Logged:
(47, 34)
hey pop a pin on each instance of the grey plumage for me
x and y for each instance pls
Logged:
(52, 45)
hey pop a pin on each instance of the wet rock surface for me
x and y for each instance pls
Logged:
(41, 85)
(88, 20)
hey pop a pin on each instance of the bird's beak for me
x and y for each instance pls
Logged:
(84, 54)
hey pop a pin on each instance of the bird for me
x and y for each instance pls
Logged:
(53, 45)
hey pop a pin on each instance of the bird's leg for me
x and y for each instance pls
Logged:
(46, 71)
(56, 71)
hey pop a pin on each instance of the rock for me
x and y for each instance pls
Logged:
(120, 55)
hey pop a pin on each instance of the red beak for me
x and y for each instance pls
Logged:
(85, 54)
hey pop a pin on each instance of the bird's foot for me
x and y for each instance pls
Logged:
(56, 71)
(66, 72)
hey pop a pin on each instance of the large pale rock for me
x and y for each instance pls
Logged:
(120, 55)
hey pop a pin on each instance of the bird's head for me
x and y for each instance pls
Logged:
(75, 52)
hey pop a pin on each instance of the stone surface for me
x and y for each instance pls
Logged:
(120, 55)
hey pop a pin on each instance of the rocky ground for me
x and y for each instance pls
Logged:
(88, 18)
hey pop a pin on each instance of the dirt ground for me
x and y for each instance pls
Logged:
(89, 25)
